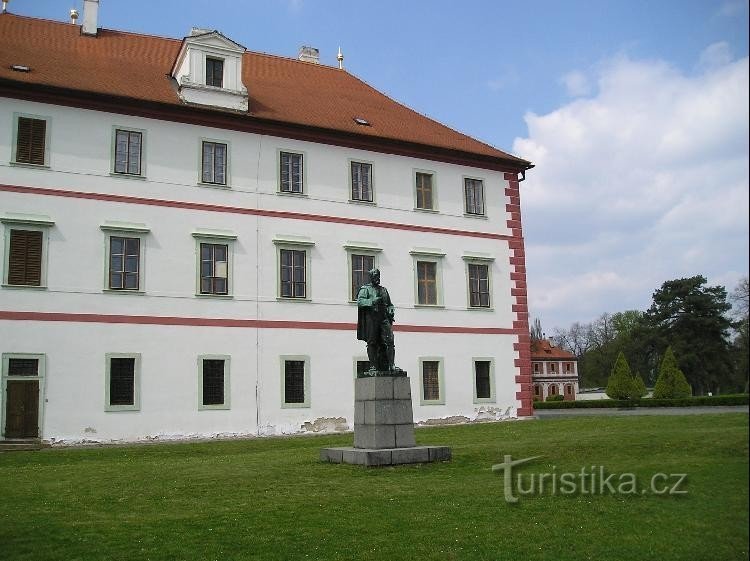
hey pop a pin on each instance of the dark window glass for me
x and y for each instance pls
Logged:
(294, 381)
(213, 382)
(474, 196)
(30, 141)
(361, 265)
(25, 258)
(361, 182)
(128, 152)
(291, 173)
(292, 273)
(122, 381)
(23, 367)
(424, 191)
(427, 282)
(479, 286)
(482, 374)
(214, 268)
(215, 72)
(214, 163)
(431, 380)
(124, 262)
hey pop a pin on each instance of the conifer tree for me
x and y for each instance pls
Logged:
(671, 383)
(639, 387)
(621, 383)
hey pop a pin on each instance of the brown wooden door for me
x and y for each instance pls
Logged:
(22, 409)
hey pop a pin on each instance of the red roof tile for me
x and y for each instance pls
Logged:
(285, 90)
(543, 350)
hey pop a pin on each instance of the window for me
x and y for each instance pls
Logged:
(213, 383)
(25, 250)
(537, 368)
(122, 382)
(431, 381)
(484, 380)
(214, 251)
(295, 381)
(552, 389)
(124, 255)
(538, 393)
(214, 72)
(479, 285)
(361, 182)
(474, 196)
(128, 152)
(214, 163)
(568, 367)
(428, 282)
(552, 367)
(214, 269)
(424, 190)
(291, 173)
(293, 281)
(32, 141)
(361, 259)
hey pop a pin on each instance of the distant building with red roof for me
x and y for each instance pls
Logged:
(554, 371)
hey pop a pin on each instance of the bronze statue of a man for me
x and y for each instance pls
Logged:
(376, 315)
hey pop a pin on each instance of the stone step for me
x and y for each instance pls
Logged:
(20, 445)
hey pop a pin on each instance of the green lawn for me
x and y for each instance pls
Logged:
(272, 499)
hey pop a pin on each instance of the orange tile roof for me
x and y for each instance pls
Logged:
(284, 90)
(543, 350)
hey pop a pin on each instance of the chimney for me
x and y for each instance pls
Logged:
(5, 6)
(90, 17)
(309, 54)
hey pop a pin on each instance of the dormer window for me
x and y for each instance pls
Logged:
(214, 72)
(208, 71)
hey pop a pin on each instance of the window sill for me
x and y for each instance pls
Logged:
(123, 291)
(366, 203)
(477, 216)
(222, 407)
(24, 286)
(222, 186)
(136, 176)
(215, 296)
(427, 210)
(484, 400)
(295, 406)
(302, 195)
(30, 166)
(435, 402)
(428, 306)
(290, 299)
(121, 408)
(480, 309)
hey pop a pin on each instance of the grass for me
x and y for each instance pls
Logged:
(272, 499)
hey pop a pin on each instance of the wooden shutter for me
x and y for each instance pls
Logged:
(31, 141)
(25, 258)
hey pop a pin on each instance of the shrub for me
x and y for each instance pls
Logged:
(639, 388)
(671, 383)
(621, 383)
(557, 397)
(736, 399)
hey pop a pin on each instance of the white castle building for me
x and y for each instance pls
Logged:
(185, 224)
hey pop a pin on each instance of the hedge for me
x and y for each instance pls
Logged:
(734, 399)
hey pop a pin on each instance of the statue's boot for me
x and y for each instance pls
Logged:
(390, 354)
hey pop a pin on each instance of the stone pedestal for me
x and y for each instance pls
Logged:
(384, 427)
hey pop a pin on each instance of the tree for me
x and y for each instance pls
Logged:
(639, 388)
(536, 330)
(740, 298)
(622, 384)
(690, 317)
(671, 382)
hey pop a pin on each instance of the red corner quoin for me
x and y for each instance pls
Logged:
(521, 308)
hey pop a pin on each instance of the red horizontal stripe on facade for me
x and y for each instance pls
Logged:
(243, 323)
(248, 211)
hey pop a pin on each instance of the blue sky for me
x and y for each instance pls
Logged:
(635, 113)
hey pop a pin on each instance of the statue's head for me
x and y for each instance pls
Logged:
(375, 276)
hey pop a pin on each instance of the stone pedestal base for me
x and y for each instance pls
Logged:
(384, 427)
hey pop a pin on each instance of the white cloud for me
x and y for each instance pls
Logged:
(644, 182)
(576, 83)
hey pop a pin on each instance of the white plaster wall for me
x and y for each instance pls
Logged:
(81, 160)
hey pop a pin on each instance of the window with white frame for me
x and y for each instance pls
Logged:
(424, 190)
(293, 257)
(291, 173)
(214, 159)
(124, 256)
(479, 277)
(484, 380)
(122, 384)
(361, 259)
(214, 72)
(128, 152)
(431, 381)
(31, 140)
(474, 196)
(361, 182)
(213, 382)
(214, 262)
(26, 241)
(295, 381)
(428, 276)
